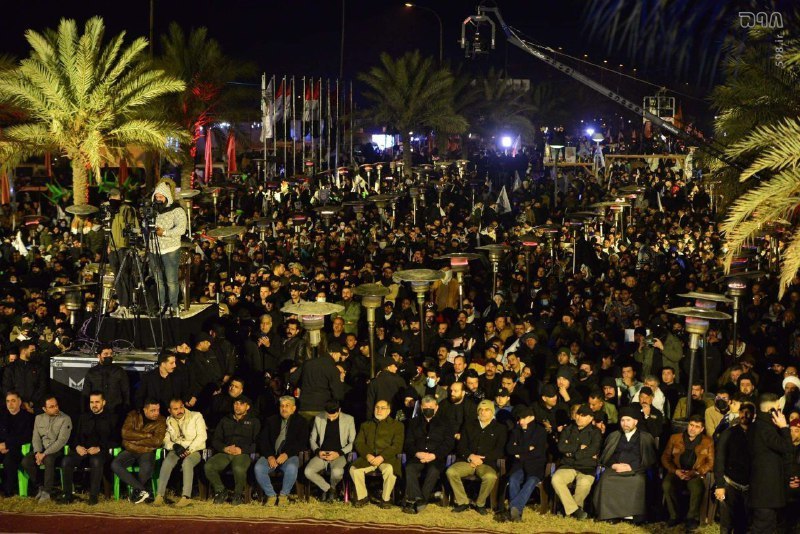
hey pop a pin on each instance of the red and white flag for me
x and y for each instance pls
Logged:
(311, 101)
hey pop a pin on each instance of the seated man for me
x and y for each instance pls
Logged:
(16, 427)
(627, 454)
(234, 441)
(429, 439)
(482, 443)
(378, 443)
(282, 439)
(185, 440)
(332, 437)
(687, 457)
(51, 431)
(94, 437)
(700, 402)
(527, 446)
(142, 433)
(579, 445)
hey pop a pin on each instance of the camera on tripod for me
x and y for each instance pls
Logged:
(106, 215)
(133, 236)
(149, 213)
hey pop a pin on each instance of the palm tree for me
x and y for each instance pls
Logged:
(85, 100)
(500, 107)
(208, 97)
(759, 114)
(411, 93)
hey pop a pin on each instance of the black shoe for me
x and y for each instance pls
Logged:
(237, 499)
(327, 496)
(502, 517)
(385, 505)
(673, 522)
(579, 514)
(460, 508)
(483, 510)
(220, 497)
(420, 505)
(692, 525)
(360, 503)
(67, 498)
(409, 509)
(93, 500)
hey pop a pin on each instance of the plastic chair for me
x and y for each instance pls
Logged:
(22, 476)
(135, 469)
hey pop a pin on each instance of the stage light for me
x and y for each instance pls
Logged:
(506, 141)
(589, 131)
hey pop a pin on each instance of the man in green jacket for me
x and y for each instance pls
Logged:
(351, 312)
(378, 443)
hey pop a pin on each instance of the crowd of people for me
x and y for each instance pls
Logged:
(566, 378)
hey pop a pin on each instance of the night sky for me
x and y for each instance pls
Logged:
(302, 37)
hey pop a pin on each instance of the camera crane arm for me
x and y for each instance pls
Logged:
(483, 17)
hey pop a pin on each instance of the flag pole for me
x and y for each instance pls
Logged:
(303, 127)
(311, 119)
(328, 125)
(293, 129)
(336, 156)
(319, 129)
(352, 161)
(264, 112)
(274, 133)
(284, 84)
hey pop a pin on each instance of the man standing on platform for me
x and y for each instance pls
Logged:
(123, 216)
(170, 226)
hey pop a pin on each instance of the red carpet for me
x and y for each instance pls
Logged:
(80, 523)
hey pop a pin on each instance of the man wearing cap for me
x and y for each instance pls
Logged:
(550, 411)
(482, 443)
(579, 445)
(378, 443)
(527, 447)
(386, 386)
(428, 441)
(234, 441)
(332, 436)
(205, 372)
(628, 453)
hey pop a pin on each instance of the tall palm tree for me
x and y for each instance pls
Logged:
(411, 93)
(759, 114)
(85, 100)
(208, 97)
(500, 107)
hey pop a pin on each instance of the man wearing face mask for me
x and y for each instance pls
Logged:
(332, 435)
(170, 226)
(429, 439)
(109, 379)
(123, 216)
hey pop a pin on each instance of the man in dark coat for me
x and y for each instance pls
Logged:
(732, 463)
(110, 380)
(27, 377)
(457, 409)
(163, 383)
(482, 443)
(94, 437)
(205, 373)
(628, 453)
(320, 381)
(16, 428)
(282, 440)
(387, 386)
(527, 446)
(429, 439)
(769, 443)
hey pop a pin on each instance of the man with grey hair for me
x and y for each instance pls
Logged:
(482, 443)
(282, 439)
(429, 439)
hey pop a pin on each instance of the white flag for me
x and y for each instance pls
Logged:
(267, 109)
(504, 206)
(517, 182)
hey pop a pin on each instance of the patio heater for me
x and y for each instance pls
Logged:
(372, 298)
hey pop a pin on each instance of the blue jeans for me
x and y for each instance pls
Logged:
(162, 264)
(519, 493)
(288, 468)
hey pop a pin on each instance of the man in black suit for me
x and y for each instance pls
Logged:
(282, 440)
(429, 439)
(110, 380)
(16, 428)
(769, 442)
(320, 381)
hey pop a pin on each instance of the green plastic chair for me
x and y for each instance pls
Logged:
(22, 476)
(135, 469)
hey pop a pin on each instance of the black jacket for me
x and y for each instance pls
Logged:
(15, 429)
(769, 448)
(435, 437)
(570, 441)
(457, 415)
(205, 372)
(112, 382)
(319, 382)
(153, 386)
(731, 457)
(297, 434)
(27, 378)
(488, 442)
(518, 447)
(97, 431)
(243, 433)
(387, 386)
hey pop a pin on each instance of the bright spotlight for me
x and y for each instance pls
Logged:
(506, 141)
(589, 131)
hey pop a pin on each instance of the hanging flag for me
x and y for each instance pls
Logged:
(516, 146)
(267, 109)
(307, 98)
(517, 182)
(230, 151)
(280, 100)
(503, 204)
(209, 161)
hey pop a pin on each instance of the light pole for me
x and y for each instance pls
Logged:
(372, 299)
(438, 18)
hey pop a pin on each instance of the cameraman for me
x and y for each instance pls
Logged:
(170, 225)
(122, 216)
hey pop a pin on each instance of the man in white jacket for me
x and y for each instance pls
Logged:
(170, 226)
(184, 440)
